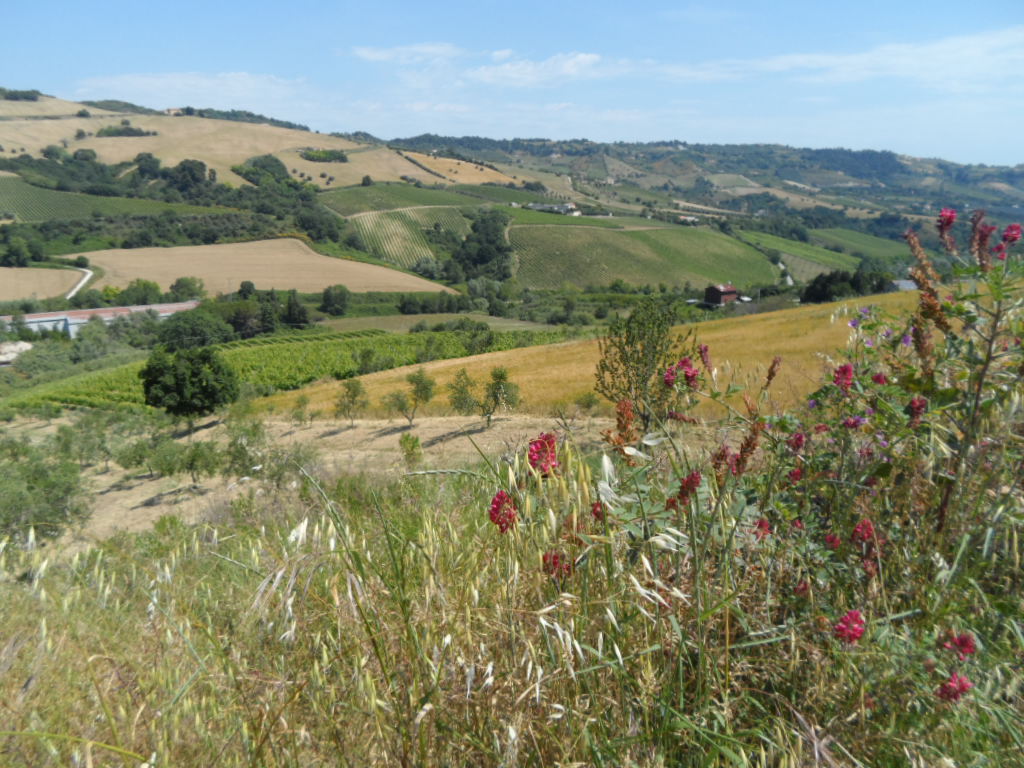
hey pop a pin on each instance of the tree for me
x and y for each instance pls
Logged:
(189, 382)
(295, 313)
(140, 291)
(335, 300)
(367, 181)
(499, 392)
(352, 400)
(634, 356)
(421, 391)
(246, 289)
(187, 288)
(193, 329)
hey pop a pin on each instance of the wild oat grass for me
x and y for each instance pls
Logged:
(837, 586)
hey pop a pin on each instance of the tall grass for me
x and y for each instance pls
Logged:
(843, 594)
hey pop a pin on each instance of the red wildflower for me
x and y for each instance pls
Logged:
(963, 645)
(843, 377)
(762, 529)
(833, 541)
(798, 524)
(597, 511)
(705, 356)
(947, 218)
(819, 428)
(850, 628)
(864, 531)
(670, 377)
(880, 378)
(687, 487)
(1011, 234)
(503, 511)
(796, 475)
(802, 588)
(954, 688)
(542, 454)
(796, 441)
(915, 409)
(557, 564)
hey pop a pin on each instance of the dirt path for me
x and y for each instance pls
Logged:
(126, 502)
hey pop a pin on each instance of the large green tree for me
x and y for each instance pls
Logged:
(189, 382)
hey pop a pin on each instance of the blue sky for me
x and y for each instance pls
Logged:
(937, 79)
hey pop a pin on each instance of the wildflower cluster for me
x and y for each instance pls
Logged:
(542, 454)
(503, 511)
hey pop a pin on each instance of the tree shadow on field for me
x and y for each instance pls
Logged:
(392, 430)
(175, 496)
(336, 431)
(460, 432)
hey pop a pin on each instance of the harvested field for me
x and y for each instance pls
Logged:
(460, 171)
(44, 107)
(379, 163)
(282, 264)
(218, 143)
(554, 375)
(28, 282)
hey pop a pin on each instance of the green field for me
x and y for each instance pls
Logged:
(397, 236)
(551, 256)
(498, 194)
(811, 253)
(526, 216)
(869, 245)
(384, 197)
(31, 203)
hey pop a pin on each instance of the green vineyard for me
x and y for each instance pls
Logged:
(398, 236)
(288, 363)
(31, 203)
(581, 256)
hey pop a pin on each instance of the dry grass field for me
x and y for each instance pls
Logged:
(379, 163)
(461, 172)
(26, 282)
(553, 376)
(283, 264)
(46, 106)
(218, 143)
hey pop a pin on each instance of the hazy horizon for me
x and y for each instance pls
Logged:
(899, 77)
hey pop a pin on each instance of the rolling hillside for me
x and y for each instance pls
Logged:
(31, 203)
(549, 256)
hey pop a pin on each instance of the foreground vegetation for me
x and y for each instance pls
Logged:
(837, 585)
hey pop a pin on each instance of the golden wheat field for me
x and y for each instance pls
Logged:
(283, 263)
(27, 282)
(46, 106)
(552, 377)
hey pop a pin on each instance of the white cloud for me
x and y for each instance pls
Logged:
(952, 62)
(409, 54)
(525, 73)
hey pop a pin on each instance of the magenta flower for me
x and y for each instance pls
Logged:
(762, 529)
(864, 531)
(832, 541)
(843, 377)
(542, 454)
(880, 378)
(557, 564)
(954, 688)
(670, 377)
(503, 511)
(795, 475)
(1011, 234)
(850, 628)
(947, 218)
(963, 645)
(915, 409)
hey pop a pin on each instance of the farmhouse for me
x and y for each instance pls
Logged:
(565, 209)
(69, 321)
(720, 295)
